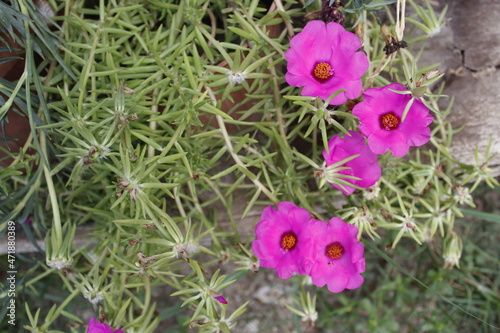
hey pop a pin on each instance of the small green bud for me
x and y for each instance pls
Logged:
(452, 250)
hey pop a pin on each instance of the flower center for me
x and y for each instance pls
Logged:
(322, 71)
(389, 121)
(334, 250)
(288, 241)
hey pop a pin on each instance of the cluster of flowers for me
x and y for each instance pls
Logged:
(323, 59)
(292, 242)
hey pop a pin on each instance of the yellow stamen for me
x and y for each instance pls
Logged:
(334, 250)
(389, 121)
(288, 241)
(322, 71)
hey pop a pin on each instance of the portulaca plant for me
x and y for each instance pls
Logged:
(181, 154)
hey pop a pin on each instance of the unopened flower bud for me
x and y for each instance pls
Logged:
(432, 74)
(218, 296)
(332, 13)
(123, 183)
(235, 77)
(463, 196)
(452, 251)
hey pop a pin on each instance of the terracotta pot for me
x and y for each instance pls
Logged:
(17, 127)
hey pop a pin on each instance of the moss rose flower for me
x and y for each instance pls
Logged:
(364, 166)
(283, 240)
(380, 120)
(339, 256)
(323, 59)
(97, 327)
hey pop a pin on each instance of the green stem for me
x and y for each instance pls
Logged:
(278, 109)
(288, 24)
(61, 307)
(147, 296)
(88, 66)
(7, 106)
(173, 139)
(238, 161)
(52, 193)
(391, 186)
(153, 124)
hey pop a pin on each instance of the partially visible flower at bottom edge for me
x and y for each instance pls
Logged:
(98, 327)
(339, 256)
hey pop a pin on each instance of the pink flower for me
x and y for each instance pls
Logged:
(364, 166)
(380, 116)
(339, 256)
(283, 240)
(221, 299)
(323, 59)
(97, 327)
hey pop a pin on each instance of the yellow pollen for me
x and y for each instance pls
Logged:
(288, 241)
(322, 71)
(389, 121)
(334, 250)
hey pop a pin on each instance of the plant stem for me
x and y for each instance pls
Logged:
(238, 161)
(88, 66)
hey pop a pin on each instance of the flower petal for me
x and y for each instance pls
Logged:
(343, 272)
(349, 66)
(334, 45)
(268, 214)
(349, 40)
(364, 166)
(413, 131)
(355, 282)
(268, 245)
(285, 207)
(338, 283)
(286, 267)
